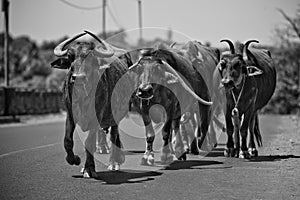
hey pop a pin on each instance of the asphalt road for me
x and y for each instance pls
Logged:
(33, 166)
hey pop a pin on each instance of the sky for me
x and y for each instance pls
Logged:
(203, 20)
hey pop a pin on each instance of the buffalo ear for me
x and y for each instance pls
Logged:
(171, 78)
(254, 71)
(218, 54)
(61, 63)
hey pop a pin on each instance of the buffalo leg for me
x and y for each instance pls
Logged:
(180, 152)
(148, 158)
(236, 120)
(244, 133)
(185, 136)
(102, 146)
(204, 123)
(229, 149)
(166, 156)
(68, 141)
(252, 148)
(90, 148)
(117, 156)
(195, 128)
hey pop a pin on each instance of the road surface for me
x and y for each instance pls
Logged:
(33, 166)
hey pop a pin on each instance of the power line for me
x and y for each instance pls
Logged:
(81, 7)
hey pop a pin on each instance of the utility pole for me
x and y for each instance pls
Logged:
(103, 19)
(140, 19)
(5, 8)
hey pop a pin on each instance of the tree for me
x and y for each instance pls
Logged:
(293, 27)
(287, 60)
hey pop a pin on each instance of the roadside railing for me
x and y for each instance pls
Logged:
(22, 101)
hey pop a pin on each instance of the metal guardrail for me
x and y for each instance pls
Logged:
(21, 101)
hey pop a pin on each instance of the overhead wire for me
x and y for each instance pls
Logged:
(114, 18)
(81, 7)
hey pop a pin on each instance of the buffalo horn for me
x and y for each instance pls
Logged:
(245, 57)
(173, 44)
(59, 49)
(231, 46)
(134, 65)
(186, 87)
(108, 52)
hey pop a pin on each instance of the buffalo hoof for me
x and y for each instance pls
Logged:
(229, 152)
(253, 152)
(182, 157)
(186, 149)
(73, 160)
(194, 148)
(103, 150)
(148, 158)
(88, 173)
(180, 154)
(166, 158)
(244, 155)
(114, 167)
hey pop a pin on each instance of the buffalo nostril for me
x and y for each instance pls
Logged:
(79, 76)
(73, 78)
(146, 88)
(145, 91)
(227, 82)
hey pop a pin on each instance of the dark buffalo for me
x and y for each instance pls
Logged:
(204, 59)
(94, 70)
(249, 79)
(167, 78)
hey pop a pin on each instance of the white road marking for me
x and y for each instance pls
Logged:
(31, 123)
(29, 149)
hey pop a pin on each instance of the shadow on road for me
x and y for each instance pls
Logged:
(190, 164)
(125, 176)
(272, 158)
(134, 152)
(216, 152)
(219, 152)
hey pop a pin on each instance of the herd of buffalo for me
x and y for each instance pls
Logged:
(177, 85)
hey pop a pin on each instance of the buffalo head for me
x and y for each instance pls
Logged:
(151, 74)
(233, 67)
(153, 71)
(81, 57)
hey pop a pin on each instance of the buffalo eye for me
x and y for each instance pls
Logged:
(159, 61)
(235, 66)
(71, 56)
(222, 65)
(244, 70)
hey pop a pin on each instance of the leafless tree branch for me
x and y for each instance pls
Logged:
(291, 22)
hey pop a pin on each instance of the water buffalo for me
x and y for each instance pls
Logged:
(204, 59)
(167, 78)
(93, 72)
(249, 79)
